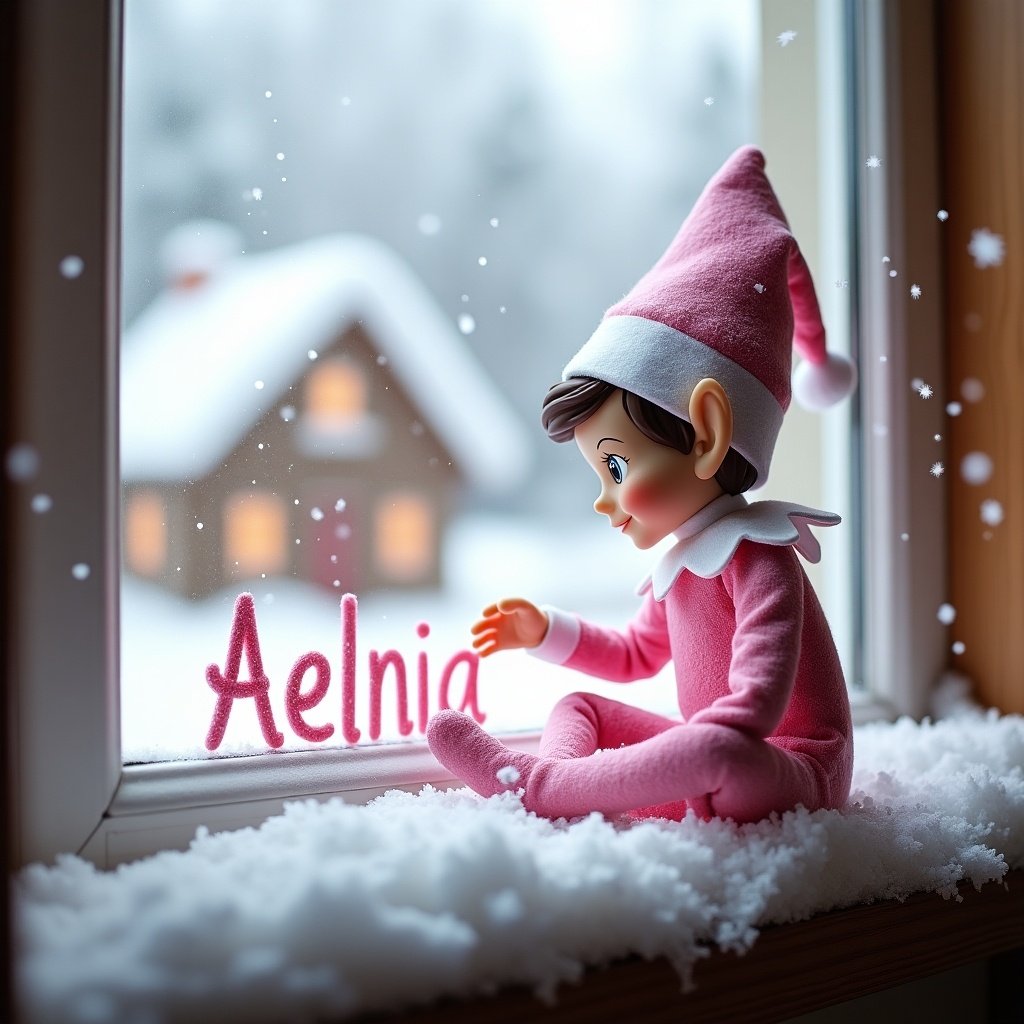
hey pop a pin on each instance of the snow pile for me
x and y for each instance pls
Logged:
(333, 909)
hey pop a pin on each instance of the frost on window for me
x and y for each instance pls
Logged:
(333, 356)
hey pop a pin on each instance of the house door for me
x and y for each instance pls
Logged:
(334, 538)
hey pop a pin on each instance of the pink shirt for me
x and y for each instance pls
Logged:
(732, 608)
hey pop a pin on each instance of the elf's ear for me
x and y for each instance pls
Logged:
(711, 418)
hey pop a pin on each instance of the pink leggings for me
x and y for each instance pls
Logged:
(601, 755)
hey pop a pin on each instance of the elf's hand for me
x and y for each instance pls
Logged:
(512, 622)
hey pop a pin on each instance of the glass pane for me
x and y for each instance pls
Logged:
(360, 242)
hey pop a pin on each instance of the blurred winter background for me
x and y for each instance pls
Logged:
(524, 162)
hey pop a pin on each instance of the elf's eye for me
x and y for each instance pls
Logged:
(618, 467)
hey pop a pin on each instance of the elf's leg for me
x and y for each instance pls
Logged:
(582, 723)
(721, 770)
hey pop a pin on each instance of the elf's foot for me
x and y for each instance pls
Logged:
(485, 764)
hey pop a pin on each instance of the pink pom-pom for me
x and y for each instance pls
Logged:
(819, 386)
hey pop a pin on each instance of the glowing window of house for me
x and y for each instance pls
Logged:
(145, 533)
(404, 537)
(335, 395)
(255, 529)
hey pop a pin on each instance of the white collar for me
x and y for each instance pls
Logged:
(706, 542)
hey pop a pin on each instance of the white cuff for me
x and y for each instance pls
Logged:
(561, 638)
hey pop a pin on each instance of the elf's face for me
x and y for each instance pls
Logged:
(647, 489)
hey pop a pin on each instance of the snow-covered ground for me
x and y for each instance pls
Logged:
(333, 909)
(167, 643)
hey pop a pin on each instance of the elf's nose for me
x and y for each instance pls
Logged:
(605, 504)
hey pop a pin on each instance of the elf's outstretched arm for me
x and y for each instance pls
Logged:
(508, 624)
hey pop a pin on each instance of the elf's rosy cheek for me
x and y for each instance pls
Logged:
(641, 496)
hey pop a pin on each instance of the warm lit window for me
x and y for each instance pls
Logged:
(335, 396)
(255, 527)
(145, 533)
(406, 536)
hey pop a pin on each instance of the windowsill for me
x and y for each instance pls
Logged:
(791, 969)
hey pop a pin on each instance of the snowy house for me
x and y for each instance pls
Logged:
(307, 412)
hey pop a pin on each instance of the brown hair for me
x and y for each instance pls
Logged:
(571, 402)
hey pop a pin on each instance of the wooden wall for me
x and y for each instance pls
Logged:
(982, 70)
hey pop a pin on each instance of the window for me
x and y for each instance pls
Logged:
(255, 527)
(335, 397)
(145, 533)
(404, 541)
(65, 564)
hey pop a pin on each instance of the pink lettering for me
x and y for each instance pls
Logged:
(243, 639)
(296, 702)
(379, 664)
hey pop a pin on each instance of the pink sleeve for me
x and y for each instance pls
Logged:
(637, 652)
(766, 586)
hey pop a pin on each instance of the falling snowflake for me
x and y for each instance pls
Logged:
(986, 248)
(972, 389)
(759, 288)
(72, 267)
(873, 161)
(482, 261)
(256, 194)
(954, 409)
(80, 571)
(937, 469)
(312, 354)
(785, 38)
(946, 614)
(924, 390)
(885, 259)
(508, 776)
(41, 503)
(943, 215)
(959, 647)
(429, 224)
(288, 413)
(494, 222)
(339, 505)
(709, 101)
(316, 514)
(892, 273)
(842, 283)
(976, 468)
(467, 324)
(991, 512)
(915, 291)
(259, 385)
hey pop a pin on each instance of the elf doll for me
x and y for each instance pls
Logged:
(675, 402)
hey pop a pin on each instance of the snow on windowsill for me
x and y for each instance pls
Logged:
(334, 909)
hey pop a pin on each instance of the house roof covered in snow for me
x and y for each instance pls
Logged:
(191, 361)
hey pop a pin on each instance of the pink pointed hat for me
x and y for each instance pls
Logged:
(729, 299)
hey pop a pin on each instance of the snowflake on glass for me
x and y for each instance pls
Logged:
(943, 215)
(986, 248)
(873, 161)
(785, 38)
(937, 469)
(915, 291)
(709, 101)
(925, 390)
(759, 288)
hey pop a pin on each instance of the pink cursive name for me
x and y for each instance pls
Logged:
(244, 639)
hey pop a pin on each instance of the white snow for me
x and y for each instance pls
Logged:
(332, 909)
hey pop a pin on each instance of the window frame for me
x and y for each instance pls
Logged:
(64, 700)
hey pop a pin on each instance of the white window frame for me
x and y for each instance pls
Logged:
(71, 792)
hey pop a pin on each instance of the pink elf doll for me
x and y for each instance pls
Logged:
(675, 402)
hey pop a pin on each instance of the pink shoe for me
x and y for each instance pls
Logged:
(485, 764)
